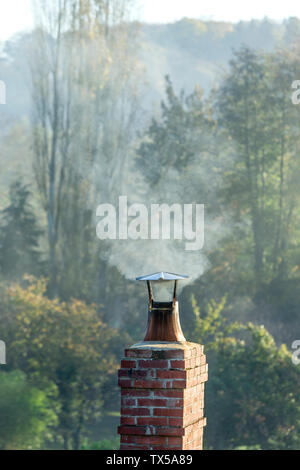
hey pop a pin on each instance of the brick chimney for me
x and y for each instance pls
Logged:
(162, 383)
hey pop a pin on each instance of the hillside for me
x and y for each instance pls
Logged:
(194, 51)
(190, 51)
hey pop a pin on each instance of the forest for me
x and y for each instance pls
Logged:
(90, 116)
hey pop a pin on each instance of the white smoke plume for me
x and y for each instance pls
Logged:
(140, 257)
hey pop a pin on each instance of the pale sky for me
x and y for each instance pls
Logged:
(15, 15)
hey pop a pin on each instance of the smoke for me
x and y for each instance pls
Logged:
(115, 173)
(196, 185)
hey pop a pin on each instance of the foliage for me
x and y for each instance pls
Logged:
(253, 385)
(174, 141)
(66, 344)
(257, 447)
(235, 149)
(105, 444)
(19, 235)
(254, 108)
(213, 325)
(82, 68)
(27, 417)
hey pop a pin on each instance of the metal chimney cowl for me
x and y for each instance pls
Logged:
(163, 317)
(162, 382)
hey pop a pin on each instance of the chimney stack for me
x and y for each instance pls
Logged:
(162, 382)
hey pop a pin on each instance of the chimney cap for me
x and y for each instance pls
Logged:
(162, 276)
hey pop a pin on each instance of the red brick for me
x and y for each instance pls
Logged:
(171, 374)
(178, 364)
(133, 447)
(169, 393)
(178, 384)
(194, 352)
(161, 447)
(128, 401)
(203, 360)
(168, 431)
(175, 402)
(188, 409)
(132, 373)
(176, 421)
(125, 364)
(177, 354)
(149, 384)
(202, 378)
(127, 420)
(167, 412)
(152, 421)
(192, 362)
(152, 402)
(188, 447)
(174, 441)
(128, 439)
(135, 412)
(125, 383)
(170, 385)
(135, 430)
(151, 440)
(135, 393)
(138, 353)
(156, 364)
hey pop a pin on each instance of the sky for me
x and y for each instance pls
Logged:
(15, 15)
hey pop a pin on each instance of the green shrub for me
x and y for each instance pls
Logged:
(106, 444)
(26, 416)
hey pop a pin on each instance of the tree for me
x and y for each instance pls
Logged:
(255, 110)
(283, 66)
(19, 236)
(251, 395)
(181, 136)
(241, 104)
(65, 344)
(84, 104)
(27, 417)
